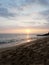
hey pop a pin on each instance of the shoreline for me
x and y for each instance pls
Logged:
(23, 43)
(15, 44)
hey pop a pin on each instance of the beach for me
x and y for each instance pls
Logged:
(30, 53)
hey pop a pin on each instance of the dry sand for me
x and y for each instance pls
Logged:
(30, 53)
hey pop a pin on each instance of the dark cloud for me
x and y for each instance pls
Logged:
(0, 4)
(45, 15)
(18, 3)
(5, 13)
(43, 2)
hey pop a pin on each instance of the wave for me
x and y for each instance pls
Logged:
(13, 40)
(8, 41)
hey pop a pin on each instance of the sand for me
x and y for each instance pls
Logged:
(30, 53)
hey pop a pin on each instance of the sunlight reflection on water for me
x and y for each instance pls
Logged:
(28, 38)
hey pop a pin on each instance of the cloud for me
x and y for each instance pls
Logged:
(25, 13)
(34, 19)
(22, 7)
(5, 13)
(44, 2)
(45, 15)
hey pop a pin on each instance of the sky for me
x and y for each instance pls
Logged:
(17, 16)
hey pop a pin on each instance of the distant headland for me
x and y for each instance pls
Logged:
(46, 34)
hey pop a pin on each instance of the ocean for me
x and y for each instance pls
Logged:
(7, 40)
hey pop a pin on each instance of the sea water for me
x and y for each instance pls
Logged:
(7, 40)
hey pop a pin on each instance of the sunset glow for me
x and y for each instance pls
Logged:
(28, 31)
(24, 31)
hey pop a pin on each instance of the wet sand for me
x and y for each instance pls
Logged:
(30, 53)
